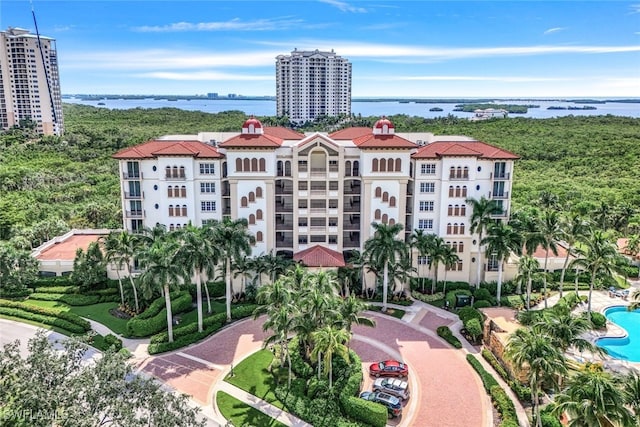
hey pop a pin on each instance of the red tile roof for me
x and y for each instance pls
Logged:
(541, 252)
(66, 249)
(350, 133)
(246, 140)
(319, 256)
(151, 149)
(383, 141)
(463, 148)
(283, 133)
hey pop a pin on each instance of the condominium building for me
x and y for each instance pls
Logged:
(314, 196)
(29, 81)
(310, 84)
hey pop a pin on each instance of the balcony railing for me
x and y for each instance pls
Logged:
(127, 175)
(351, 243)
(134, 196)
(318, 192)
(500, 176)
(499, 195)
(349, 226)
(284, 208)
(355, 207)
(180, 177)
(285, 190)
(284, 225)
(318, 228)
(491, 266)
(456, 177)
(285, 243)
(502, 214)
(134, 214)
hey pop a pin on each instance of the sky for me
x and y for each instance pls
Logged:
(397, 48)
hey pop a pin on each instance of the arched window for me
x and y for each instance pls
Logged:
(170, 191)
(461, 228)
(451, 191)
(383, 165)
(224, 169)
(450, 210)
(461, 247)
(252, 196)
(465, 172)
(259, 192)
(398, 165)
(385, 197)
(263, 165)
(377, 215)
(259, 237)
(456, 210)
(378, 192)
(243, 202)
(184, 210)
(246, 164)
(170, 210)
(392, 201)
(174, 172)
(252, 219)
(453, 245)
(392, 221)
(347, 168)
(356, 168)
(238, 165)
(455, 228)
(449, 228)
(287, 168)
(457, 191)
(463, 210)
(167, 172)
(459, 172)
(171, 227)
(390, 165)
(385, 218)
(374, 165)
(182, 175)
(183, 191)
(259, 214)
(464, 191)
(254, 165)
(280, 168)
(452, 172)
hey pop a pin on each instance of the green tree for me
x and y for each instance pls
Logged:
(234, 241)
(385, 248)
(550, 233)
(450, 260)
(631, 388)
(573, 229)
(424, 244)
(17, 269)
(527, 268)
(438, 254)
(124, 246)
(501, 241)
(114, 256)
(533, 353)
(593, 398)
(327, 342)
(58, 382)
(89, 268)
(566, 330)
(482, 211)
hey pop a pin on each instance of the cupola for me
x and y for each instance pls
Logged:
(383, 127)
(252, 127)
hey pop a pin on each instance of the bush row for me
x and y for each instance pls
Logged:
(144, 325)
(41, 318)
(361, 410)
(523, 392)
(426, 297)
(64, 315)
(107, 342)
(189, 334)
(445, 333)
(75, 299)
(500, 400)
(15, 294)
(56, 289)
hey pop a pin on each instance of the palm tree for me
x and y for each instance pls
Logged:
(358, 261)
(593, 398)
(384, 248)
(573, 229)
(127, 245)
(161, 272)
(532, 352)
(424, 243)
(349, 312)
(233, 240)
(280, 319)
(481, 212)
(438, 255)
(197, 254)
(527, 267)
(244, 267)
(450, 259)
(550, 233)
(566, 330)
(632, 393)
(501, 241)
(599, 257)
(329, 341)
(113, 256)
(635, 300)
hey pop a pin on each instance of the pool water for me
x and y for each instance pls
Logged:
(627, 348)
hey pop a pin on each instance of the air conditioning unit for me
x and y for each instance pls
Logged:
(213, 142)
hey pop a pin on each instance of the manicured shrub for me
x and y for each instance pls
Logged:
(427, 297)
(46, 296)
(482, 304)
(57, 289)
(501, 401)
(242, 311)
(598, 320)
(467, 313)
(548, 419)
(76, 299)
(371, 413)
(445, 333)
(143, 326)
(48, 312)
(474, 329)
(298, 365)
(523, 392)
(482, 294)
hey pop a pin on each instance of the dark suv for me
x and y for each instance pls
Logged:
(394, 407)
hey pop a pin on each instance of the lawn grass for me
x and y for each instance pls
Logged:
(395, 312)
(241, 414)
(253, 376)
(39, 325)
(192, 316)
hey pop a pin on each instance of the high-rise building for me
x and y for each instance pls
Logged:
(29, 81)
(313, 197)
(310, 84)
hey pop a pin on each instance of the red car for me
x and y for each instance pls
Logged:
(389, 368)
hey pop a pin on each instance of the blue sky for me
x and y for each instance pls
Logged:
(397, 48)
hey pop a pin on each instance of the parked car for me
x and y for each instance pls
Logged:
(394, 408)
(393, 386)
(389, 368)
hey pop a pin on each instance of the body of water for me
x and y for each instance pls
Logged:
(627, 348)
(367, 108)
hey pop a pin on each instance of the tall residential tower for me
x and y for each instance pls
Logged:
(311, 84)
(29, 81)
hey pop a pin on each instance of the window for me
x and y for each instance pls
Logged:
(385, 197)
(377, 215)
(207, 168)
(374, 165)
(252, 196)
(259, 236)
(184, 210)
(170, 191)
(426, 206)
(252, 219)
(183, 191)
(208, 206)
(207, 187)
(398, 165)
(246, 165)
(392, 201)
(259, 192)
(425, 224)
(262, 165)
(428, 169)
(378, 192)
(390, 165)
(238, 165)
(259, 214)
(385, 218)
(243, 202)
(254, 165)
(423, 260)
(133, 170)
(427, 187)
(171, 212)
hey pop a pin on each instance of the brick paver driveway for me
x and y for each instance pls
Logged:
(445, 390)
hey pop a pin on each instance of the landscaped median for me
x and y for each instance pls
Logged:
(70, 322)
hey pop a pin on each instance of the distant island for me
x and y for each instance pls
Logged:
(436, 109)
(585, 107)
(510, 108)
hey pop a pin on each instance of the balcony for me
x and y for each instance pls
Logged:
(352, 207)
(127, 175)
(352, 189)
(287, 190)
(504, 176)
(134, 214)
(322, 193)
(179, 177)
(133, 196)
(459, 177)
(502, 214)
(284, 225)
(284, 207)
(491, 266)
(499, 195)
(284, 243)
(318, 172)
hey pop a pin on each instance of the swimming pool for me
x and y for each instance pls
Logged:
(627, 348)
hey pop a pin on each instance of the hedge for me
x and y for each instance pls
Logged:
(48, 312)
(144, 325)
(523, 392)
(426, 297)
(40, 318)
(57, 289)
(77, 299)
(46, 296)
(445, 333)
(371, 413)
(598, 320)
(467, 313)
(500, 400)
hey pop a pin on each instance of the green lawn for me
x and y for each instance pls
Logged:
(241, 414)
(192, 316)
(395, 312)
(252, 375)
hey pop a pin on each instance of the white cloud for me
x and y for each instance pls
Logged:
(635, 8)
(507, 79)
(344, 6)
(204, 75)
(554, 30)
(235, 24)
